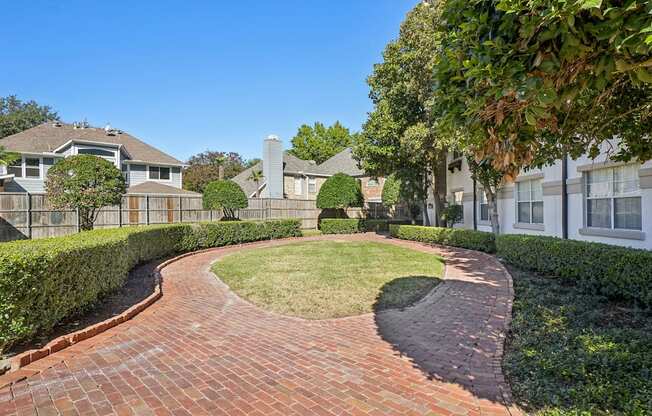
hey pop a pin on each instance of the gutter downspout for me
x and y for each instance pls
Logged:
(475, 205)
(564, 197)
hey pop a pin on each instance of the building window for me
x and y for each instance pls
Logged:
(312, 185)
(484, 207)
(16, 168)
(97, 152)
(159, 173)
(32, 167)
(529, 202)
(613, 198)
(372, 183)
(458, 200)
(298, 186)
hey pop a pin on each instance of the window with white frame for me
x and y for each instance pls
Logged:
(104, 154)
(529, 202)
(312, 185)
(484, 206)
(32, 167)
(613, 198)
(159, 173)
(458, 200)
(298, 186)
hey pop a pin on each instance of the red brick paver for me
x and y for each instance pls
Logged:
(201, 350)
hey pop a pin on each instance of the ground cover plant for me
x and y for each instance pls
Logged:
(329, 279)
(572, 352)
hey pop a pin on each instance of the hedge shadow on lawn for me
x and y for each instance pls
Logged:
(393, 293)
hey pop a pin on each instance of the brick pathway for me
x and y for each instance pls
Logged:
(201, 350)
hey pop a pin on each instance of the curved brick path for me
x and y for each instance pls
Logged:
(202, 350)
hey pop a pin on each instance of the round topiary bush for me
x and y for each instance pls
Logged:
(225, 195)
(340, 192)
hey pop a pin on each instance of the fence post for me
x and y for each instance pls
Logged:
(120, 213)
(147, 209)
(78, 221)
(180, 210)
(29, 215)
(210, 215)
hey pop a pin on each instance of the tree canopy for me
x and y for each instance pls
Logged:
(207, 166)
(400, 136)
(17, 116)
(225, 195)
(523, 82)
(86, 183)
(319, 143)
(340, 191)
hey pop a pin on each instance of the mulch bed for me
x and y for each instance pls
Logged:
(138, 286)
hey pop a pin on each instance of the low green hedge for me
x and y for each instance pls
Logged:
(45, 281)
(354, 225)
(456, 237)
(617, 272)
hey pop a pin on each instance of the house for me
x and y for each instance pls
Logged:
(147, 170)
(288, 177)
(592, 200)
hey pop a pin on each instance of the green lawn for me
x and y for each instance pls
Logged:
(328, 279)
(573, 353)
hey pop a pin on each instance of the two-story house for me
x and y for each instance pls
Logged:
(147, 170)
(583, 199)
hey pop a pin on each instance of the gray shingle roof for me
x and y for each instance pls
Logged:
(46, 137)
(159, 188)
(343, 162)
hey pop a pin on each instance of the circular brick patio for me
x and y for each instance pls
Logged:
(202, 350)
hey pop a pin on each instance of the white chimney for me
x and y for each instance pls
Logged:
(273, 167)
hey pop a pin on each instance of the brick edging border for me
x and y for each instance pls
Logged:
(17, 373)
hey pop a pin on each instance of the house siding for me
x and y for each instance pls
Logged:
(552, 210)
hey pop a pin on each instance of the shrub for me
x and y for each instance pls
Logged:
(225, 195)
(452, 215)
(45, 281)
(355, 225)
(86, 183)
(456, 237)
(391, 191)
(616, 272)
(340, 226)
(340, 191)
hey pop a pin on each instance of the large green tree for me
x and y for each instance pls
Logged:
(526, 82)
(17, 116)
(209, 166)
(319, 143)
(401, 135)
(86, 183)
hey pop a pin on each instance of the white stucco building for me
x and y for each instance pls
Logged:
(602, 200)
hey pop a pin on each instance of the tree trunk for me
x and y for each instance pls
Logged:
(220, 172)
(439, 185)
(492, 202)
(85, 220)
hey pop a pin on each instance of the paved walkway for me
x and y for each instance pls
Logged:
(201, 350)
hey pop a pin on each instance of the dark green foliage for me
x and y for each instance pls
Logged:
(391, 191)
(86, 183)
(225, 195)
(456, 237)
(355, 225)
(575, 353)
(340, 191)
(452, 215)
(617, 272)
(45, 281)
(17, 116)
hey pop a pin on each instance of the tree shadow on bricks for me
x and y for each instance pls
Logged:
(456, 333)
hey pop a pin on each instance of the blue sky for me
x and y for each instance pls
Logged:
(188, 76)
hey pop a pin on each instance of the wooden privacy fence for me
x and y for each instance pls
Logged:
(24, 215)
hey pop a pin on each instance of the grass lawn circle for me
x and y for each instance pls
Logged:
(330, 279)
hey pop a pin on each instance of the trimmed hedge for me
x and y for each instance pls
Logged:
(45, 281)
(354, 225)
(456, 237)
(613, 271)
